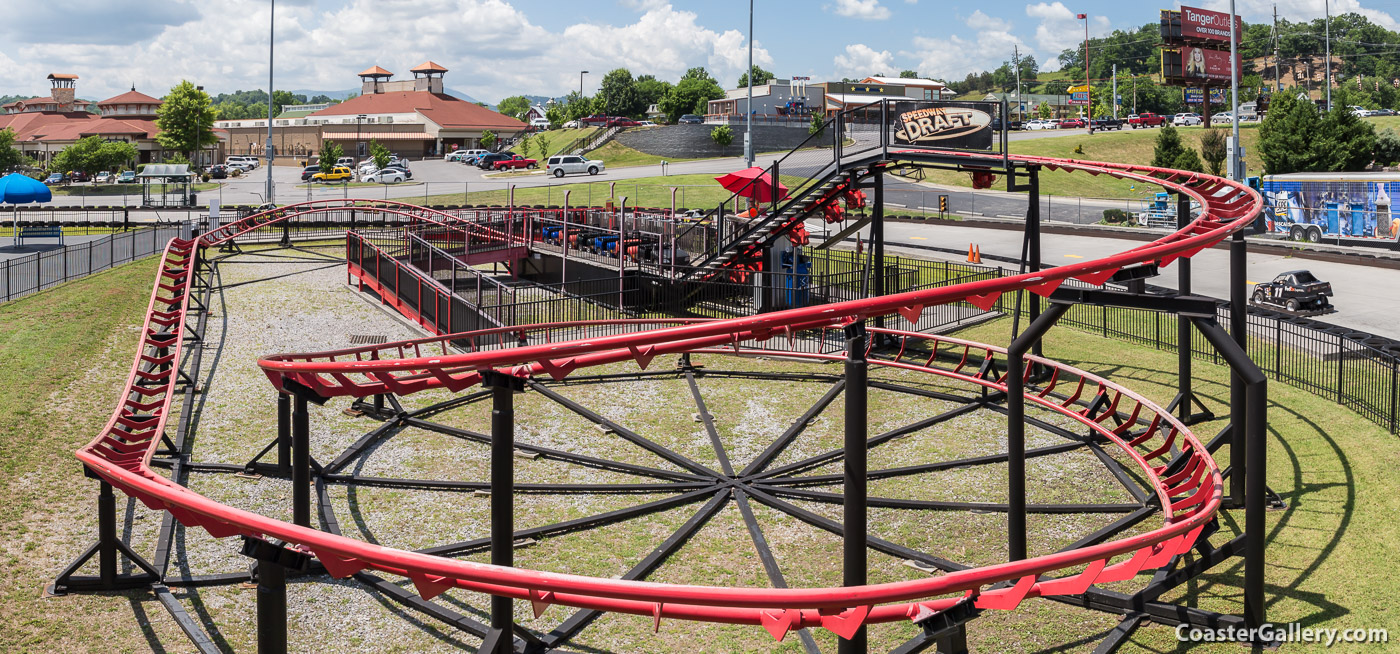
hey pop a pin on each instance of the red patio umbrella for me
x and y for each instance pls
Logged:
(754, 183)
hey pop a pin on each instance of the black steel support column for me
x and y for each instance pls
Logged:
(1255, 385)
(107, 536)
(854, 534)
(1016, 426)
(301, 463)
(1033, 249)
(877, 239)
(284, 434)
(503, 389)
(1183, 325)
(272, 561)
(1239, 413)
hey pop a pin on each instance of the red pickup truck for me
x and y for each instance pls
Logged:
(1147, 120)
(515, 161)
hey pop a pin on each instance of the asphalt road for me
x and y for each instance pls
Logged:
(1365, 296)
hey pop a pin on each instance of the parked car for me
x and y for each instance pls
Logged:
(217, 171)
(1146, 119)
(104, 177)
(385, 175)
(573, 124)
(1383, 112)
(484, 161)
(55, 178)
(1071, 123)
(240, 165)
(337, 174)
(1039, 124)
(620, 121)
(1295, 290)
(127, 177)
(1223, 117)
(464, 155)
(514, 162)
(401, 166)
(1186, 120)
(646, 123)
(248, 161)
(572, 163)
(690, 119)
(78, 176)
(595, 119)
(1106, 123)
(308, 171)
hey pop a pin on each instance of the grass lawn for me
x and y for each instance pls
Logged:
(116, 189)
(1125, 146)
(693, 191)
(562, 138)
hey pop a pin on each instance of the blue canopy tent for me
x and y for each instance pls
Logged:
(20, 189)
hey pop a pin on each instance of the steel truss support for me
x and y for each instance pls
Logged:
(500, 639)
(1239, 412)
(855, 530)
(106, 548)
(1016, 425)
(1188, 407)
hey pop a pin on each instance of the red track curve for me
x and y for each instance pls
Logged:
(121, 453)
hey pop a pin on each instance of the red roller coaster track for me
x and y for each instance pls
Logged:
(1190, 495)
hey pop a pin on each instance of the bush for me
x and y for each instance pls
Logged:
(1187, 160)
(205, 177)
(816, 125)
(1168, 148)
(139, 168)
(1213, 150)
(722, 135)
(1387, 147)
(1079, 148)
(1114, 216)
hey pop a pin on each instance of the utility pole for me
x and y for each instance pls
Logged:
(1278, 85)
(1016, 62)
(1115, 91)
(1327, 7)
(748, 107)
(271, 32)
(1088, 90)
(1236, 161)
(1134, 93)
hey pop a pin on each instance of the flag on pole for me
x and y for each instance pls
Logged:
(860, 247)
(1081, 16)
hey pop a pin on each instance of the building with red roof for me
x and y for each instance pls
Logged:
(45, 126)
(412, 117)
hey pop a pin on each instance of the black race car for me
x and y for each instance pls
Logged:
(1295, 290)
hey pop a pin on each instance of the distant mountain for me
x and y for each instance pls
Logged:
(339, 95)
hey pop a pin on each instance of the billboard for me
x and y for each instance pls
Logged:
(944, 124)
(1208, 25)
(1079, 94)
(1195, 96)
(1205, 63)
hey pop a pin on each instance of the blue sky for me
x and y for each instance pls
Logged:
(495, 48)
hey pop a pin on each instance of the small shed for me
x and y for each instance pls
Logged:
(167, 185)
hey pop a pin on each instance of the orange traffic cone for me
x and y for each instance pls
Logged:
(977, 255)
(970, 252)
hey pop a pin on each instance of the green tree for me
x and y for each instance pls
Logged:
(542, 144)
(722, 135)
(1388, 147)
(1213, 150)
(555, 115)
(618, 94)
(650, 90)
(1168, 148)
(1187, 160)
(488, 139)
(690, 96)
(515, 106)
(908, 74)
(816, 125)
(185, 120)
(698, 73)
(1344, 142)
(10, 156)
(1043, 110)
(331, 152)
(577, 106)
(1286, 135)
(760, 76)
(93, 154)
(525, 146)
(378, 154)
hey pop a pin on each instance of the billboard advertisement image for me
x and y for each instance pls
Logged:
(1204, 63)
(1207, 24)
(965, 125)
(1337, 207)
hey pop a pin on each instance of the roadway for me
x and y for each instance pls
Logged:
(1365, 296)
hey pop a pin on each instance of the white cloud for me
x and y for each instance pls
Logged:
(954, 57)
(861, 60)
(1059, 30)
(862, 9)
(1296, 10)
(490, 47)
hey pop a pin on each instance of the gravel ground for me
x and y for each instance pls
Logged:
(272, 305)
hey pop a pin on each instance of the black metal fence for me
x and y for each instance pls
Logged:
(32, 273)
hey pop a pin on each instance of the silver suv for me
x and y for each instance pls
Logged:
(572, 163)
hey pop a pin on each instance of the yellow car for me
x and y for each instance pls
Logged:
(337, 174)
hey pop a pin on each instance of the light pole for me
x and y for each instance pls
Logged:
(748, 107)
(271, 32)
(1088, 90)
(359, 143)
(581, 73)
(1235, 172)
(1327, 10)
